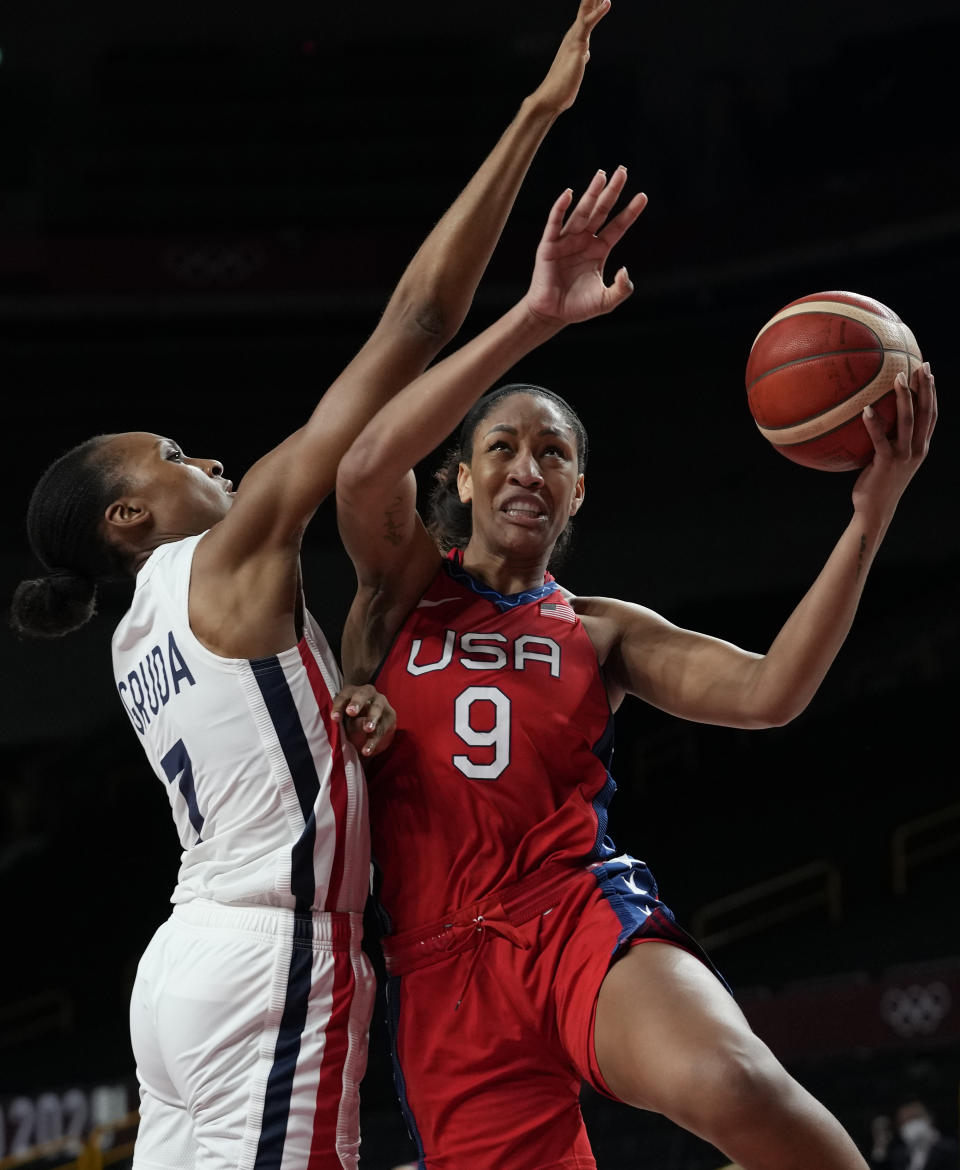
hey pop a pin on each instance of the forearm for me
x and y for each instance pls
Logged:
(432, 297)
(791, 672)
(799, 658)
(567, 286)
(411, 425)
(437, 289)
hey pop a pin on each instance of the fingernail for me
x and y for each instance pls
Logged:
(901, 379)
(369, 725)
(335, 716)
(868, 411)
(926, 369)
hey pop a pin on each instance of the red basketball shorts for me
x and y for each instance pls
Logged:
(492, 1012)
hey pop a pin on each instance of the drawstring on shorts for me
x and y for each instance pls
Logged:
(498, 926)
(468, 928)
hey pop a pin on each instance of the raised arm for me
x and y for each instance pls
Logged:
(425, 311)
(711, 681)
(376, 505)
(245, 552)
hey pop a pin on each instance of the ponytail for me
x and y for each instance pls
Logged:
(53, 605)
(449, 519)
(63, 527)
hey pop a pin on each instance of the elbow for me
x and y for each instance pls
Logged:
(433, 320)
(428, 310)
(776, 712)
(767, 722)
(432, 323)
(773, 697)
(358, 467)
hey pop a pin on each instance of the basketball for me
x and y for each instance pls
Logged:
(815, 365)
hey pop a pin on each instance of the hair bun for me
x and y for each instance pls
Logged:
(68, 582)
(54, 605)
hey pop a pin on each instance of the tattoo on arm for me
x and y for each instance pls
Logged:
(861, 557)
(392, 528)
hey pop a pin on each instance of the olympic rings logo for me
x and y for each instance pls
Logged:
(224, 265)
(916, 1010)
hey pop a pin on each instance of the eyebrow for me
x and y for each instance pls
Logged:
(558, 431)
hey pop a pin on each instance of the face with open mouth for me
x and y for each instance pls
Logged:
(523, 480)
(185, 494)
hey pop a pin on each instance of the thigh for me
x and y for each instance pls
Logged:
(666, 1027)
(670, 1037)
(165, 1139)
(485, 1084)
(614, 910)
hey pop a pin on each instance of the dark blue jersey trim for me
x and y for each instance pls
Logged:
(502, 601)
(603, 846)
(393, 994)
(296, 750)
(276, 1102)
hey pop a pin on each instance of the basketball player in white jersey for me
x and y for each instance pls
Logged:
(251, 1007)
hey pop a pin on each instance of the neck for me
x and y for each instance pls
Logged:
(507, 573)
(142, 555)
(140, 560)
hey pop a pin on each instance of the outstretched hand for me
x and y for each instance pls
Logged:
(896, 458)
(567, 284)
(560, 87)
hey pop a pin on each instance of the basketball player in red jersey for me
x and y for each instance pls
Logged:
(513, 926)
(250, 1010)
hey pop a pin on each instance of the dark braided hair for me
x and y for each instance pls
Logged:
(450, 522)
(63, 529)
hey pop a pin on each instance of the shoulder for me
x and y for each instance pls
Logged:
(613, 619)
(393, 597)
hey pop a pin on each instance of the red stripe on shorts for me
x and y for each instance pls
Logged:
(336, 1049)
(338, 779)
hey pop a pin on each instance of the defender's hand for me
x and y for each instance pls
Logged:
(368, 719)
(559, 89)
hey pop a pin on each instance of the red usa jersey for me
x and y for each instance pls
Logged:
(500, 761)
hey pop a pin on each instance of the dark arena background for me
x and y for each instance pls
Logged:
(203, 208)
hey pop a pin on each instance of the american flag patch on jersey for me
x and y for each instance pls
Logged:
(558, 609)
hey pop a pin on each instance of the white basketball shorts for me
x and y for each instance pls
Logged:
(249, 1026)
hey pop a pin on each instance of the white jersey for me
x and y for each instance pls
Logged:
(267, 794)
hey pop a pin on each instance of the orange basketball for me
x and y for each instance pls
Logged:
(815, 365)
